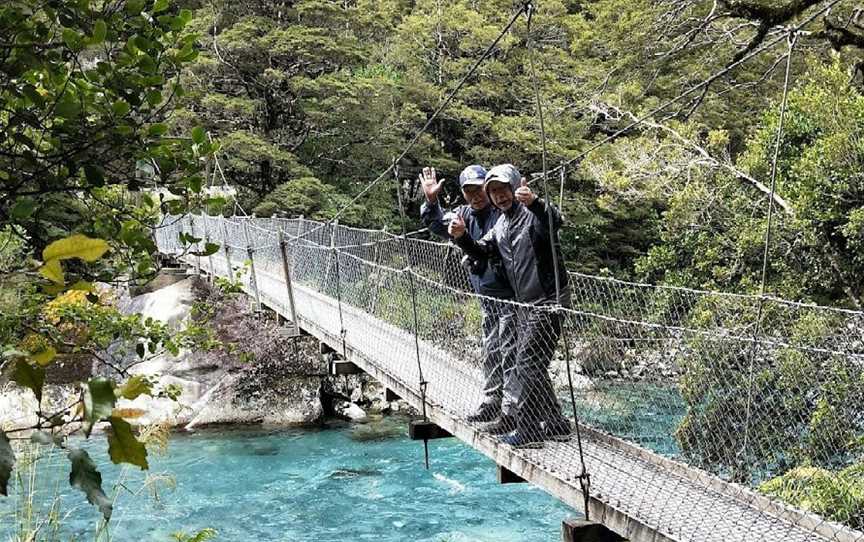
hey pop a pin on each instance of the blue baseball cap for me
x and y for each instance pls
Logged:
(472, 176)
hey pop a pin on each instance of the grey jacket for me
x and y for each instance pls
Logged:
(521, 237)
(487, 277)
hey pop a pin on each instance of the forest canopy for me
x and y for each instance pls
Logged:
(311, 100)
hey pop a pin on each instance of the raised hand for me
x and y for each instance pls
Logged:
(431, 185)
(456, 229)
(524, 193)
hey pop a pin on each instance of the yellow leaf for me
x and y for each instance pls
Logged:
(128, 413)
(83, 286)
(53, 271)
(75, 246)
(44, 357)
(38, 349)
(53, 289)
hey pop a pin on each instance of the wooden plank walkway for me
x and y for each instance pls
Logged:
(636, 492)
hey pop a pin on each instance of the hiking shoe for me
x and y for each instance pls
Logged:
(559, 431)
(519, 439)
(500, 426)
(486, 413)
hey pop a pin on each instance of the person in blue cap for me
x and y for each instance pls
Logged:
(526, 241)
(487, 278)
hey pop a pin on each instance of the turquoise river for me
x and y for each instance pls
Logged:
(339, 483)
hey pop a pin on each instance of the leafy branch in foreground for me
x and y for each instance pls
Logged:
(86, 92)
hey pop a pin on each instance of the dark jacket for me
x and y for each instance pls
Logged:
(521, 237)
(486, 276)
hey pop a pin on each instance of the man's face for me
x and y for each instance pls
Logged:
(501, 195)
(475, 196)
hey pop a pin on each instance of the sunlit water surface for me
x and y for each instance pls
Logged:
(360, 482)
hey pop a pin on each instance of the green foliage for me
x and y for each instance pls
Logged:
(30, 377)
(86, 478)
(86, 89)
(312, 99)
(306, 196)
(820, 172)
(136, 386)
(95, 95)
(712, 225)
(99, 402)
(800, 409)
(835, 495)
(123, 447)
(228, 286)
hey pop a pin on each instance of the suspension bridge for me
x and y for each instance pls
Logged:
(685, 408)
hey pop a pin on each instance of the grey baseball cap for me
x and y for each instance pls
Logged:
(472, 175)
(504, 173)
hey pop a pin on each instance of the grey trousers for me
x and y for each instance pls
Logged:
(499, 356)
(539, 331)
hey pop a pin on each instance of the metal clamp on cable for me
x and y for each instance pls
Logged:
(585, 484)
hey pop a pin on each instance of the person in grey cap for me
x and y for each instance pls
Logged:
(522, 238)
(488, 279)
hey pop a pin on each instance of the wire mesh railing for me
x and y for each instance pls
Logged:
(775, 409)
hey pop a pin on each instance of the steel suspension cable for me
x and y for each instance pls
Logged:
(792, 38)
(584, 476)
(438, 110)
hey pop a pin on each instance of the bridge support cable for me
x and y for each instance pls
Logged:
(563, 176)
(413, 287)
(554, 246)
(763, 285)
(335, 254)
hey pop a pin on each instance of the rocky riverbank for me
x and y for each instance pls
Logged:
(259, 374)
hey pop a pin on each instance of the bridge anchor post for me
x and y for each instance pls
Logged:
(289, 286)
(426, 430)
(252, 275)
(211, 271)
(230, 268)
(579, 530)
(197, 253)
(507, 476)
(340, 367)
